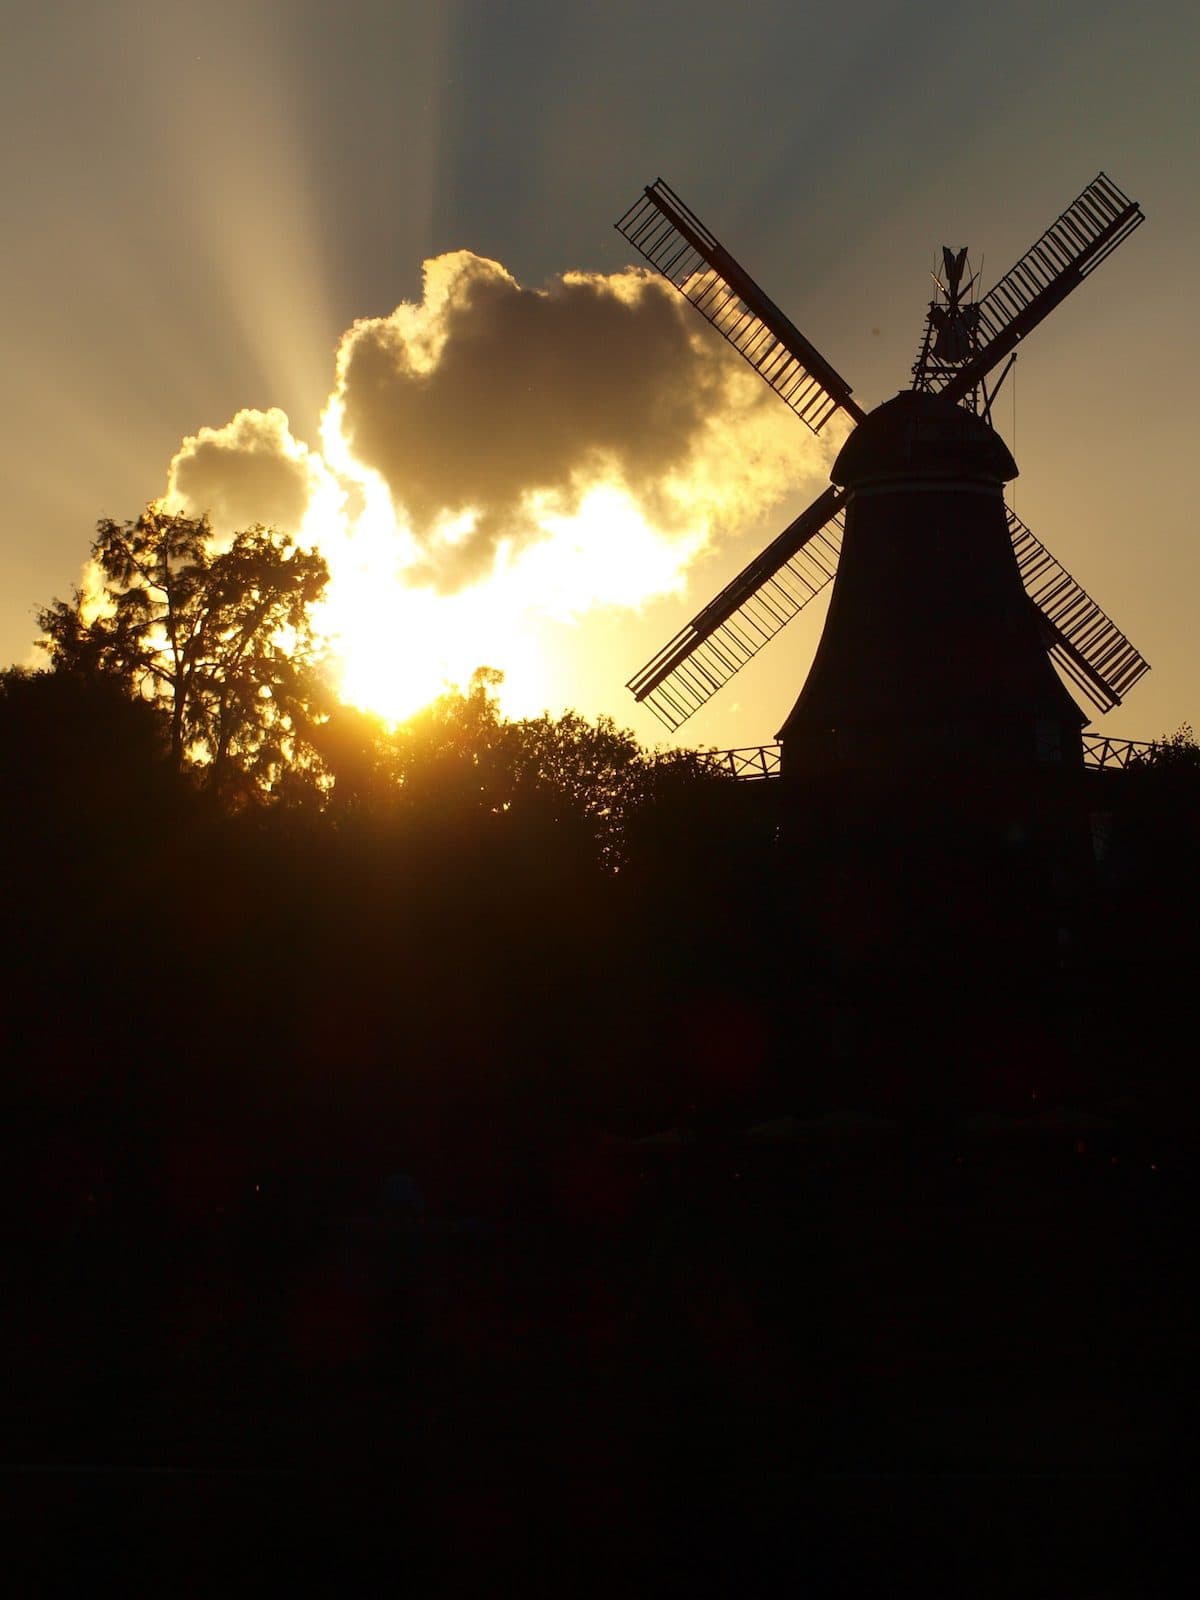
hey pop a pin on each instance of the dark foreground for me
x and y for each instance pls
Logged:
(834, 1357)
(350, 1240)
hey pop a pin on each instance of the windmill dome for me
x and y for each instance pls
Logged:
(923, 435)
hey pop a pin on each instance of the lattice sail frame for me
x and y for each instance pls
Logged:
(678, 245)
(746, 615)
(1082, 639)
(1086, 233)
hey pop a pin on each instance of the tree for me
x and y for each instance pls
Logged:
(1175, 752)
(219, 639)
(594, 777)
(565, 780)
(77, 757)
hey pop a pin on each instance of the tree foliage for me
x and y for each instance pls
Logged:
(568, 779)
(66, 736)
(218, 638)
(1175, 752)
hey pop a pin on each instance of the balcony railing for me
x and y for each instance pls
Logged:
(758, 761)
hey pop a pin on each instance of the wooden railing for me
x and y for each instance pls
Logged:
(759, 761)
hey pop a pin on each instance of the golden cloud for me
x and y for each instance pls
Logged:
(251, 470)
(495, 455)
(498, 405)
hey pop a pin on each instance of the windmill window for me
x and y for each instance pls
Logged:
(1047, 738)
(1102, 827)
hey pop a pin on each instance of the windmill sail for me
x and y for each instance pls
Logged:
(1091, 227)
(1082, 640)
(746, 615)
(678, 245)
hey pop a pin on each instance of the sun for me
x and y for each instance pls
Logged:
(399, 643)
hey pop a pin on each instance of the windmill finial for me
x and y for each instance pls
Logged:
(952, 327)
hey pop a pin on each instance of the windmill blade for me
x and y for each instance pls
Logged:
(747, 614)
(1082, 640)
(1090, 229)
(678, 245)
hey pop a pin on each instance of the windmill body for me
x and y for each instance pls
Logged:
(933, 823)
(931, 655)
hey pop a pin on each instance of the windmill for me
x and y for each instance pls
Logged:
(947, 609)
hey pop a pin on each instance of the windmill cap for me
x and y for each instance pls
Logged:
(924, 435)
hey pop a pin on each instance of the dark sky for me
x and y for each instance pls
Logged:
(200, 201)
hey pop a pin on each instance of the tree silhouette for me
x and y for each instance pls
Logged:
(79, 758)
(1175, 752)
(566, 780)
(220, 639)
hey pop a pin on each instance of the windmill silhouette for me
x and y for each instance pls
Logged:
(947, 609)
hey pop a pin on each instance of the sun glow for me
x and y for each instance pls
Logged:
(400, 643)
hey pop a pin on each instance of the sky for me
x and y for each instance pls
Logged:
(353, 267)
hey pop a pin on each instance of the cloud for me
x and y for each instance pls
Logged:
(252, 470)
(495, 405)
(497, 458)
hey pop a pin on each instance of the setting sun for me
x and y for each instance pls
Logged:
(399, 643)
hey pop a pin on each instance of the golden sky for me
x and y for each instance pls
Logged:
(354, 268)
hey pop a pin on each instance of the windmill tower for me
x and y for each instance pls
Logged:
(935, 824)
(947, 611)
